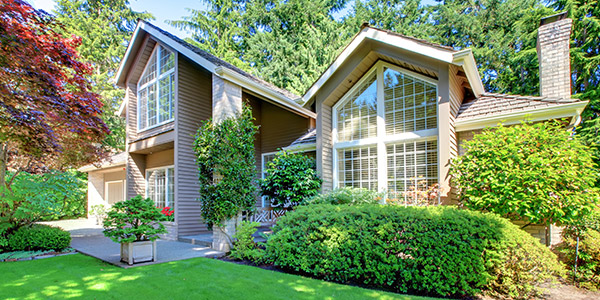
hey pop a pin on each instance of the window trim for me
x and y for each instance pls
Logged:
(156, 81)
(381, 139)
(166, 182)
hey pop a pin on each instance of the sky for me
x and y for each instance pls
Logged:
(161, 9)
(170, 10)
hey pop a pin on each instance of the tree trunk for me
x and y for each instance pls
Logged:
(3, 159)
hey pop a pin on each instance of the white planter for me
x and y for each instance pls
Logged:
(138, 252)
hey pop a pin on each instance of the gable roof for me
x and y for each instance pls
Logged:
(213, 64)
(490, 109)
(437, 52)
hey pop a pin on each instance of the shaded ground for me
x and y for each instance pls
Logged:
(83, 277)
(570, 292)
(87, 238)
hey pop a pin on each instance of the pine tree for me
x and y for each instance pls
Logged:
(220, 29)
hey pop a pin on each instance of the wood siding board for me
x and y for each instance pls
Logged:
(194, 104)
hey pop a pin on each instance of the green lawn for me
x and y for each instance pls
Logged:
(83, 277)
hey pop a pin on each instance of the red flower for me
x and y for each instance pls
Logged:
(167, 211)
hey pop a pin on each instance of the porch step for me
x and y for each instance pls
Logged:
(204, 239)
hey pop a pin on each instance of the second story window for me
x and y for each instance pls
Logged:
(156, 89)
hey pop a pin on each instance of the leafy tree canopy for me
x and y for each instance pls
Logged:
(105, 28)
(49, 115)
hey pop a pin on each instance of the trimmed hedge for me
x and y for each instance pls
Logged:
(346, 196)
(440, 251)
(39, 238)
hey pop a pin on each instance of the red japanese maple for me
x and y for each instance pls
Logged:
(47, 112)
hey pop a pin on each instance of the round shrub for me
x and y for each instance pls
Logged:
(439, 251)
(39, 238)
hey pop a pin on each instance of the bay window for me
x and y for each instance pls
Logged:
(385, 132)
(156, 89)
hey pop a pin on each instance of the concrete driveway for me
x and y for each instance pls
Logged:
(87, 238)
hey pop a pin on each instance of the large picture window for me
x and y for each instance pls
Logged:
(385, 132)
(156, 89)
(160, 185)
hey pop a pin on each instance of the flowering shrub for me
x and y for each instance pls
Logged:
(168, 212)
(418, 195)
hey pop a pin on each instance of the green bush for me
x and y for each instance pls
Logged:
(588, 259)
(538, 173)
(39, 238)
(439, 251)
(136, 219)
(347, 195)
(290, 179)
(244, 246)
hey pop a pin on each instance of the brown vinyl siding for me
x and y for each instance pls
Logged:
(279, 127)
(136, 166)
(194, 94)
(325, 146)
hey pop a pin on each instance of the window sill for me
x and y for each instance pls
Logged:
(155, 126)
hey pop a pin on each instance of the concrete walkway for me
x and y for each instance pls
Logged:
(88, 239)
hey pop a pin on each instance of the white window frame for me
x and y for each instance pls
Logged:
(114, 181)
(166, 182)
(156, 82)
(382, 139)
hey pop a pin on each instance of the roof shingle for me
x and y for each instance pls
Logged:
(491, 104)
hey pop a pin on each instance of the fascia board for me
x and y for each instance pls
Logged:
(466, 59)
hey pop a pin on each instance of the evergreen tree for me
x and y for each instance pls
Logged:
(585, 64)
(105, 27)
(296, 42)
(502, 35)
(220, 29)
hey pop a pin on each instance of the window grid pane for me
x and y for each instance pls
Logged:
(157, 89)
(358, 168)
(161, 187)
(411, 166)
(410, 103)
(357, 119)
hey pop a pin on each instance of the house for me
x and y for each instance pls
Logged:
(390, 110)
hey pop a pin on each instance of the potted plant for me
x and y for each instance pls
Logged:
(135, 224)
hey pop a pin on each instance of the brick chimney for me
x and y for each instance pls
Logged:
(553, 54)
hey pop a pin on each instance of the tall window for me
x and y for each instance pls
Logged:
(160, 186)
(386, 132)
(156, 89)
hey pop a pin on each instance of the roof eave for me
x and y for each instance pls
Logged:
(466, 60)
(567, 110)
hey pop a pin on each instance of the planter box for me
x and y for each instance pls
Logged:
(138, 252)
